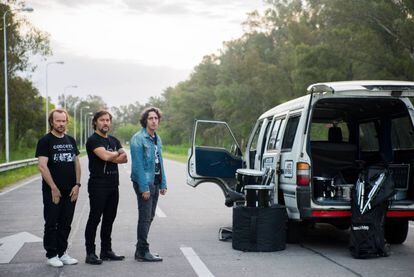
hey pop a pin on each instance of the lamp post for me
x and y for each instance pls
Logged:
(74, 124)
(6, 92)
(47, 97)
(90, 124)
(86, 125)
(81, 119)
(64, 94)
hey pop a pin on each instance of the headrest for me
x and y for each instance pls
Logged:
(335, 134)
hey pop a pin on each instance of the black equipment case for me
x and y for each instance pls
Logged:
(259, 229)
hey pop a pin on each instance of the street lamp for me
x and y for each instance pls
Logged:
(90, 118)
(6, 92)
(47, 97)
(81, 119)
(64, 94)
(74, 114)
(86, 125)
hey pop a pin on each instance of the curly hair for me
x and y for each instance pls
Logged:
(145, 113)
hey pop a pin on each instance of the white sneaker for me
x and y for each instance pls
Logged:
(55, 262)
(68, 260)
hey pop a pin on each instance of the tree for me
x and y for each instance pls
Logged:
(24, 99)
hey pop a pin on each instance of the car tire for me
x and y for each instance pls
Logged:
(396, 230)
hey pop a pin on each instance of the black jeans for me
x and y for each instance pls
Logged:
(58, 218)
(103, 202)
(146, 213)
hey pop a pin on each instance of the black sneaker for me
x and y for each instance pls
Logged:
(110, 256)
(92, 259)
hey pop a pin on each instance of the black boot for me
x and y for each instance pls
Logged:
(147, 257)
(110, 256)
(91, 258)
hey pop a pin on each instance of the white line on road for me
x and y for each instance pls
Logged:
(159, 212)
(21, 185)
(199, 267)
(411, 225)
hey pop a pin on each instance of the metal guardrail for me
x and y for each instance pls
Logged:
(17, 164)
(22, 163)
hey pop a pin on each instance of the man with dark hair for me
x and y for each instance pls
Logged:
(60, 168)
(105, 153)
(148, 178)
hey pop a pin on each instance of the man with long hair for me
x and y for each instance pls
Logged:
(148, 177)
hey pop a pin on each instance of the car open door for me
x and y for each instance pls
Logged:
(214, 156)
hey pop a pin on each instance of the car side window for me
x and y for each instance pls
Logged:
(253, 145)
(368, 137)
(274, 139)
(402, 133)
(214, 135)
(290, 132)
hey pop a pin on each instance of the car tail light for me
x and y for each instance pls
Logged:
(302, 174)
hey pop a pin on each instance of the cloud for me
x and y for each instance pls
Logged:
(118, 82)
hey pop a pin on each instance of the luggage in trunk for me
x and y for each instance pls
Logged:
(259, 229)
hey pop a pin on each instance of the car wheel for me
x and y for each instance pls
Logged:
(396, 230)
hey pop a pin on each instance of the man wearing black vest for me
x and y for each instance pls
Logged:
(105, 153)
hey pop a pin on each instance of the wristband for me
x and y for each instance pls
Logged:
(78, 184)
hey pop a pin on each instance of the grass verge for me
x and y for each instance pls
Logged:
(175, 152)
(12, 176)
(176, 157)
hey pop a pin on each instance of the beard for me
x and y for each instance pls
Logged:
(60, 129)
(104, 130)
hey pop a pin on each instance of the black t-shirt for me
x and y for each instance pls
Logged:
(62, 154)
(100, 171)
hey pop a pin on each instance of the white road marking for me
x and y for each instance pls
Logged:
(199, 267)
(21, 185)
(159, 212)
(11, 245)
(411, 225)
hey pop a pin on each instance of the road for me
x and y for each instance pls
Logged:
(184, 232)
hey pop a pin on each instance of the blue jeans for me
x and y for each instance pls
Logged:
(146, 213)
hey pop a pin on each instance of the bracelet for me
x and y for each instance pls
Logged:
(78, 184)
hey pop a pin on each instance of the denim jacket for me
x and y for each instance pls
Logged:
(143, 160)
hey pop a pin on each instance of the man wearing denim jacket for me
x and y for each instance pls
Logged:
(148, 178)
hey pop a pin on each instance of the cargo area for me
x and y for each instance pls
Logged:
(348, 134)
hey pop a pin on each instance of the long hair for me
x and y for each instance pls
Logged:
(97, 115)
(145, 113)
(50, 117)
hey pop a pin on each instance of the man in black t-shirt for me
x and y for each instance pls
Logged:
(105, 153)
(59, 165)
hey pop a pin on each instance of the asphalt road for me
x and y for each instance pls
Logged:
(185, 233)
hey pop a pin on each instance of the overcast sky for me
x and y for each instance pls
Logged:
(129, 50)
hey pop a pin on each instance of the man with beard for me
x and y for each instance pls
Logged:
(59, 165)
(105, 153)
